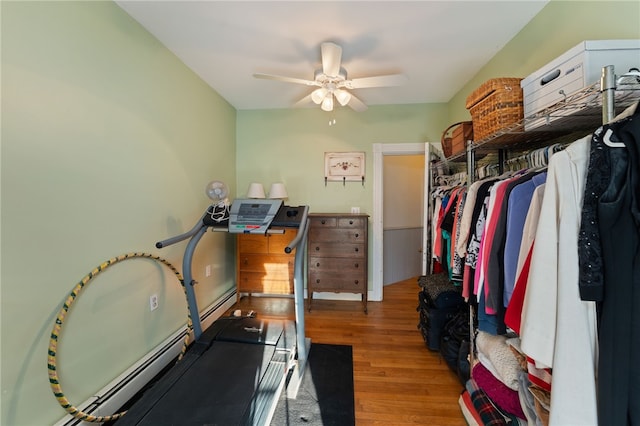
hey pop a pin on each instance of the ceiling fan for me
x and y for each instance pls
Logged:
(332, 81)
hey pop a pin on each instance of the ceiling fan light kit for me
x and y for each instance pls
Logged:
(318, 95)
(342, 96)
(332, 81)
(327, 103)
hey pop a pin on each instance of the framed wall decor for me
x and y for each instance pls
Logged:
(344, 166)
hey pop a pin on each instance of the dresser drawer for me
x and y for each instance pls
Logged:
(269, 243)
(261, 282)
(323, 222)
(337, 281)
(268, 264)
(328, 249)
(327, 264)
(278, 242)
(351, 222)
(337, 235)
(252, 243)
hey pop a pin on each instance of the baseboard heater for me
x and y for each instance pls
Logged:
(116, 394)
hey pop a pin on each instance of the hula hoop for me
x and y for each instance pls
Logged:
(53, 341)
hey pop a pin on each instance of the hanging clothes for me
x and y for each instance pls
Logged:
(558, 329)
(610, 271)
(457, 262)
(517, 209)
(496, 265)
(513, 312)
(477, 227)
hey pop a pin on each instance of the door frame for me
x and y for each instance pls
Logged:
(379, 151)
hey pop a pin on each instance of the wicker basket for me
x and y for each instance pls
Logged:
(461, 132)
(496, 104)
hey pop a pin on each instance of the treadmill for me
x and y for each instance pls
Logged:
(235, 371)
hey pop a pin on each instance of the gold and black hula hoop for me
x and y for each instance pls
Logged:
(53, 341)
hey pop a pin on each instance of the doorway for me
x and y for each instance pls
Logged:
(403, 202)
(379, 152)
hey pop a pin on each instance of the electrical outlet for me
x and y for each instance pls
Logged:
(207, 271)
(355, 210)
(153, 302)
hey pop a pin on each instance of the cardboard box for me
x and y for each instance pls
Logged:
(579, 67)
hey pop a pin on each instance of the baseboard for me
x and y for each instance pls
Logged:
(116, 394)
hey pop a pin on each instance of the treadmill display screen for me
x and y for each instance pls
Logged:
(253, 213)
(252, 216)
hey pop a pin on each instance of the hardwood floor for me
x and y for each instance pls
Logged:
(398, 381)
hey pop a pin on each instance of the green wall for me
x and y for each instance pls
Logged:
(108, 142)
(289, 146)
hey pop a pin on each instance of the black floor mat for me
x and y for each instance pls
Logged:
(326, 394)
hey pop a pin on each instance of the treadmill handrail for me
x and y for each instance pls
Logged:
(196, 233)
(188, 234)
(303, 223)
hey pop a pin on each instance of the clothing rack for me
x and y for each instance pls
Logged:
(609, 93)
(607, 88)
(600, 100)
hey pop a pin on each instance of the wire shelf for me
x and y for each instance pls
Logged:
(566, 120)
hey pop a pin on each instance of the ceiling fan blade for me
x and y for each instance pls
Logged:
(331, 58)
(287, 79)
(303, 102)
(377, 81)
(356, 104)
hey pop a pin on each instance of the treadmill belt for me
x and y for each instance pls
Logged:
(233, 375)
(252, 330)
(218, 392)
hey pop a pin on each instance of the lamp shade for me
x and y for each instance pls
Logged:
(256, 190)
(342, 96)
(327, 103)
(278, 190)
(318, 95)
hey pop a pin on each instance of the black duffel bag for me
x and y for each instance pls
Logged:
(455, 342)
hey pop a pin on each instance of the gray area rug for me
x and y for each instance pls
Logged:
(326, 394)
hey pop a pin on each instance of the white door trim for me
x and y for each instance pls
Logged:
(379, 151)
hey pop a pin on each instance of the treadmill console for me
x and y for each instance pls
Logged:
(252, 216)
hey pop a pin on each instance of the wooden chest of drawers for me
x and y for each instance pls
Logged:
(337, 254)
(262, 265)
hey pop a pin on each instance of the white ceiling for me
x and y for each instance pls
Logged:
(438, 45)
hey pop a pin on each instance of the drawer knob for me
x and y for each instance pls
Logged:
(357, 249)
(356, 265)
(323, 221)
(317, 248)
(318, 281)
(350, 222)
(356, 282)
(357, 235)
(318, 264)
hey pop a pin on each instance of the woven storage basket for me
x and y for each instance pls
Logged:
(457, 142)
(447, 143)
(496, 104)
